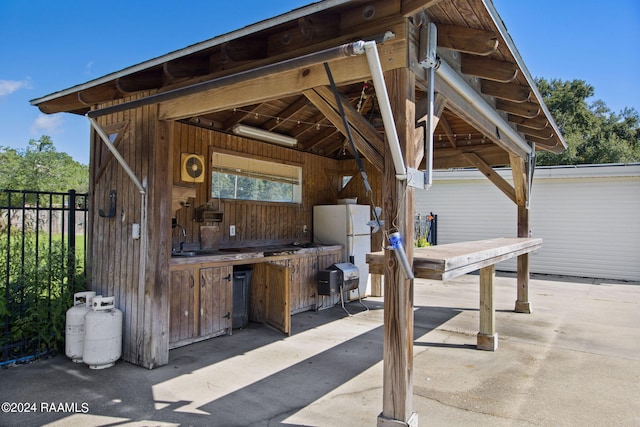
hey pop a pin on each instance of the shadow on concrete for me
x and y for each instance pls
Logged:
(125, 392)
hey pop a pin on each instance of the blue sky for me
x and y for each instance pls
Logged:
(47, 46)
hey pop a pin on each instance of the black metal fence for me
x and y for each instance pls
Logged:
(426, 229)
(42, 259)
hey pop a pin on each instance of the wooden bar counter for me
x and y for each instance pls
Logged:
(444, 262)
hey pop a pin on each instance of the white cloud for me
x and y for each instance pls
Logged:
(7, 87)
(47, 124)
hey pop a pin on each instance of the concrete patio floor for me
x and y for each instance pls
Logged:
(575, 360)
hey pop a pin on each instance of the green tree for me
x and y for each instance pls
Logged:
(594, 134)
(41, 168)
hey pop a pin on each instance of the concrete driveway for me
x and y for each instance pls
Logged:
(574, 361)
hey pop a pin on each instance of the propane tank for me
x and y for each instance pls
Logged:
(74, 324)
(102, 334)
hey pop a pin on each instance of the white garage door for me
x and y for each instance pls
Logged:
(588, 217)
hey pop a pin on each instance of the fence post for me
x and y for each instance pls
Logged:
(71, 242)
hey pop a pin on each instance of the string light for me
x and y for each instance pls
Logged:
(283, 120)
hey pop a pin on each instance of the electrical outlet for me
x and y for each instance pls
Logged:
(232, 230)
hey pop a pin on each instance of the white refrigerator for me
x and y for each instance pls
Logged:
(346, 225)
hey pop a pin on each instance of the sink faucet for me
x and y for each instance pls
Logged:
(184, 234)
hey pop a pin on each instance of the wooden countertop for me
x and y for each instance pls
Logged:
(248, 255)
(444, 262)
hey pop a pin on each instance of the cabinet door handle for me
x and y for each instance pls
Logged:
(227, 316)
(227, 277)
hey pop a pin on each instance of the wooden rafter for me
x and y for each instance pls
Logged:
(508, 91)
(546, 133)
(323, 99)
(537, 123)
(144, 80)
(190, 66)
(467, 40)
(489, 68)
(527, 110)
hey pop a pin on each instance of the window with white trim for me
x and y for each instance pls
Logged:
(241, 178)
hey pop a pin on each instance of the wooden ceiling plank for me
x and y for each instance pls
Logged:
(493, 176)
(528, 110)
(467, 40)
(286, 114)
(238, 116)
(367, 150)
(508, 91)
(448, 132)
(489, 68)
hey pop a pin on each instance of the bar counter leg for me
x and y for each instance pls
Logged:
(487, 337)
(522, 302)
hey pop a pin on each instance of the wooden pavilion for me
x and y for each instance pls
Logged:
(383, 91)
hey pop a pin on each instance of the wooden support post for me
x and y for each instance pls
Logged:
(487, 337)
(522, 302)
(397, 405)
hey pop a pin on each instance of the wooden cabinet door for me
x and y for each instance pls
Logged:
(216, 300)
(182, 315)
(277, 297)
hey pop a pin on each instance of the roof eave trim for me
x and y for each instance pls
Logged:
(502, 29)
(242, 32)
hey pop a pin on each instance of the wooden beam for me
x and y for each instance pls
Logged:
(522, 300)
(281, 84)
(520, 181)
(397, 403)
(467, 40)
(527, 110)
(508, 91)
(328, 110)
(488, 171)
(447, 158)
(488, 68)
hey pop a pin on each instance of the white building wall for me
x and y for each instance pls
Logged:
(588, 217)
